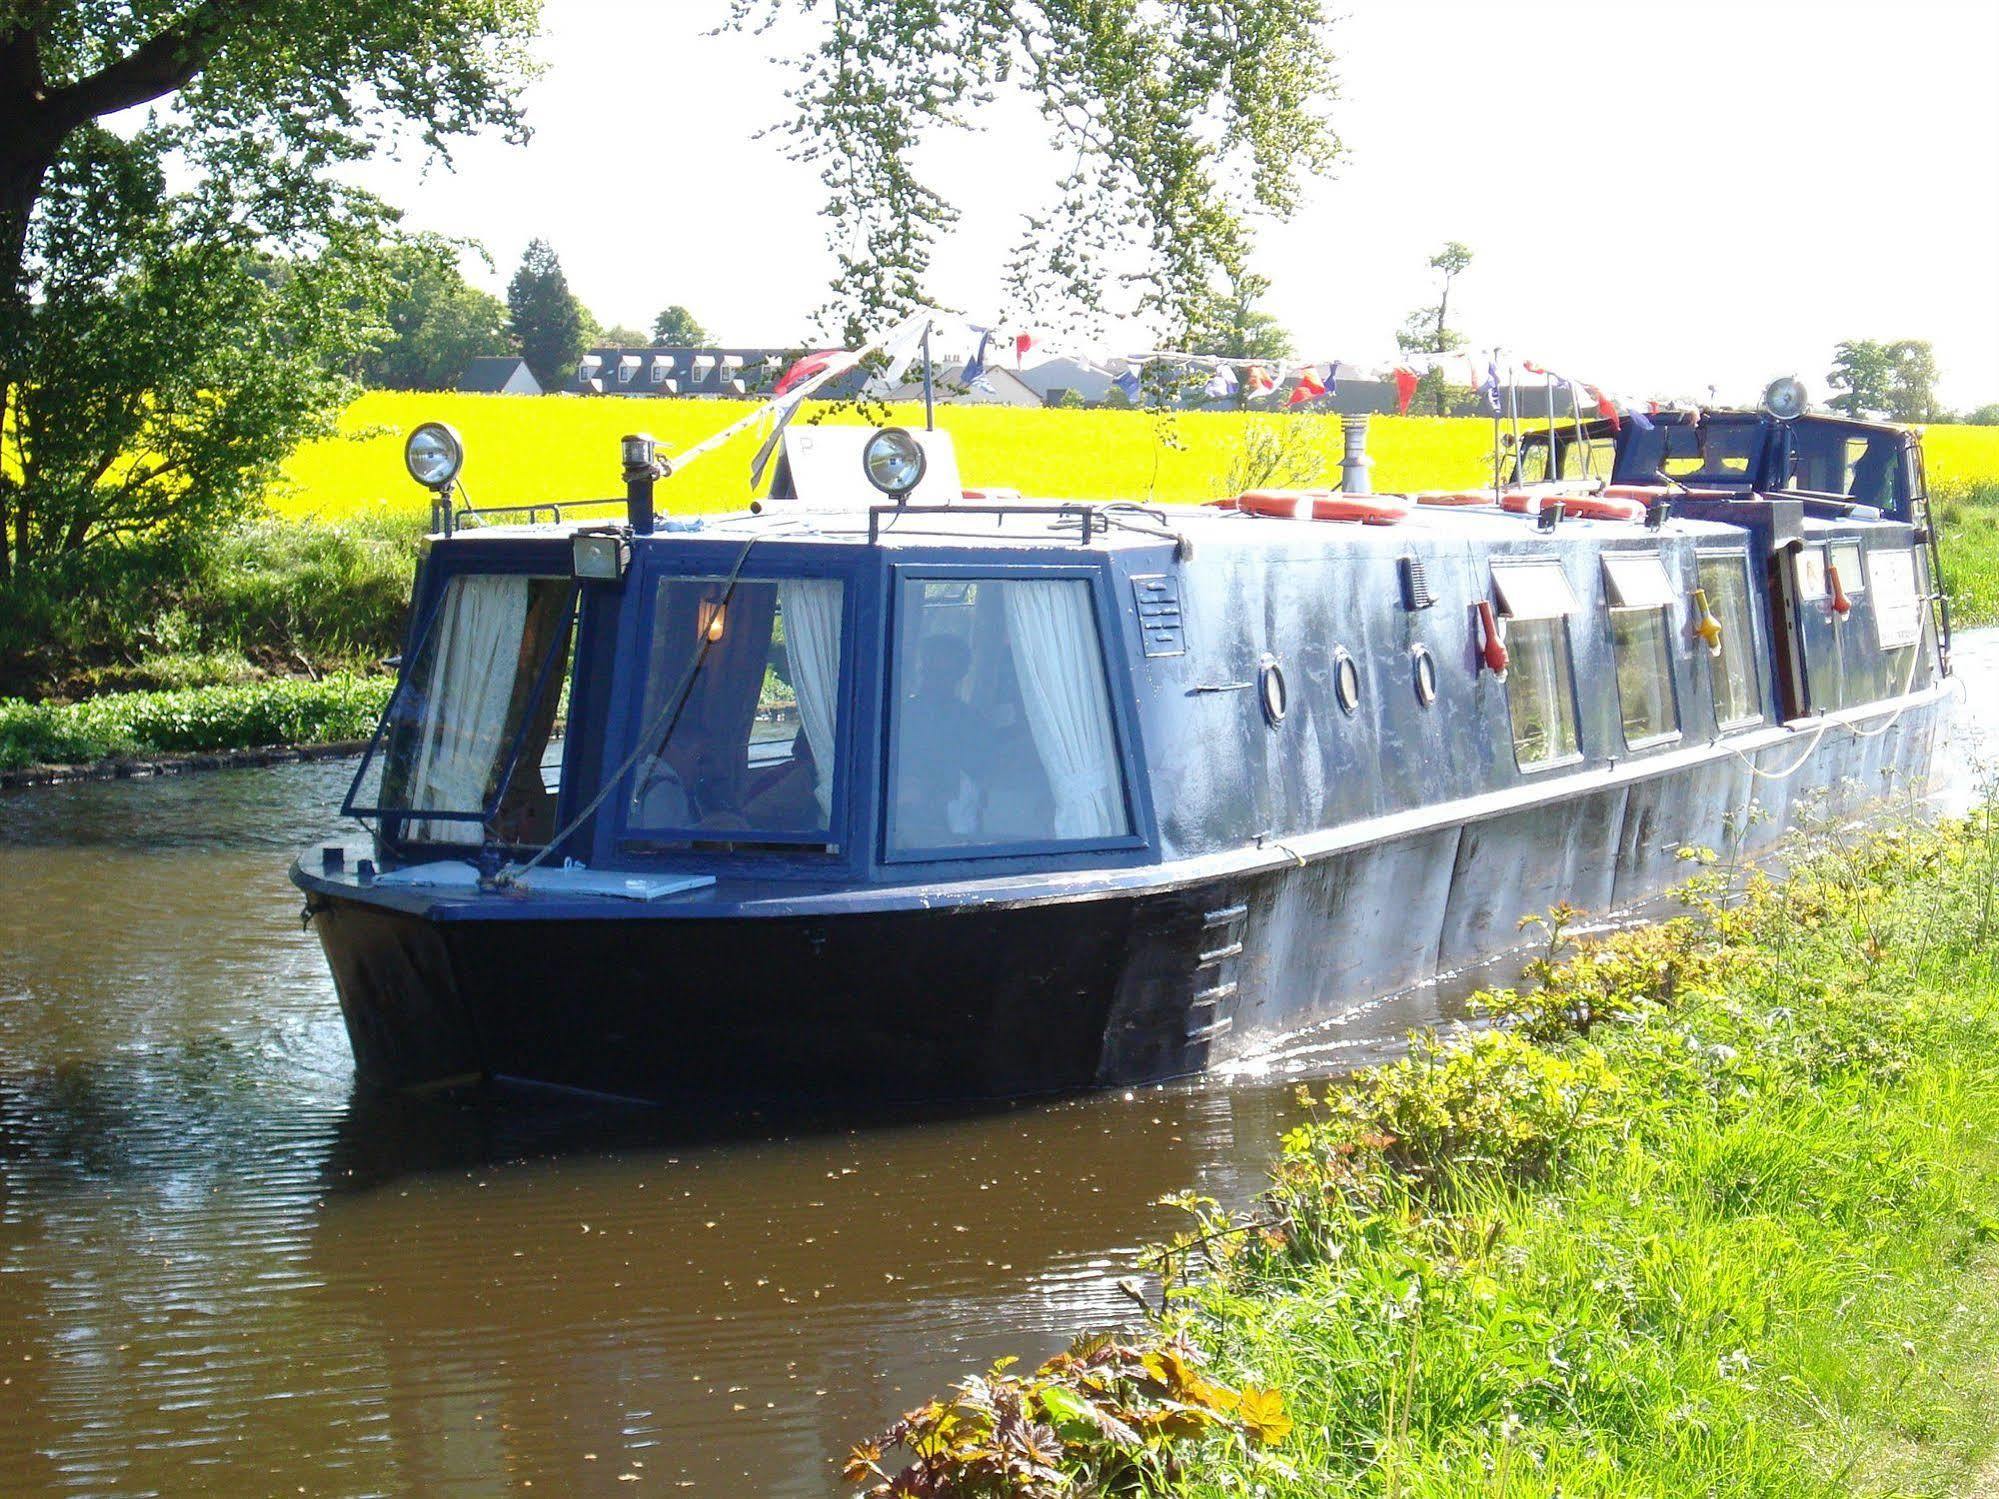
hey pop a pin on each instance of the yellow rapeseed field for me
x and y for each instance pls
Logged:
(527, 448)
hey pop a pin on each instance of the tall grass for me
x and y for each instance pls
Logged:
(1967, 516)
(1712, 1209)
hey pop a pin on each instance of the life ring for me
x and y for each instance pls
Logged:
(1578, 506)
(1319, 504)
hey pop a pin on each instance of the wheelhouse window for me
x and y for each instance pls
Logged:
(740, 720)
(1725, 582)
(474, 742)
(1536, 600)
(1003, 734)
(1846, 562)
(1641, 597)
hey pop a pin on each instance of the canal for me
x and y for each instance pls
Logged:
(222, 1269)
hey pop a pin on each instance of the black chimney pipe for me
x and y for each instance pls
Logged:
(641, 473)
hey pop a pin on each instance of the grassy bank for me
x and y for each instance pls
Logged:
(122, 725)
(1714, 1209)
(1967, 514)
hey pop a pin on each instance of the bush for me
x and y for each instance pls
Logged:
(286, 712)
(267, 596)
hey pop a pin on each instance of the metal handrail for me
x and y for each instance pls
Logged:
(553, 507)
(1087, 515)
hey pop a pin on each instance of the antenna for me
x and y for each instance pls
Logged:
(929, 386)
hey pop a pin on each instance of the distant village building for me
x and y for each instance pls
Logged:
(995, 387)
(1054, 379)
(500, 375)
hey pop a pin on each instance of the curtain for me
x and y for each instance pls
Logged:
(466, 697)
(811, 609)
(1061, 671)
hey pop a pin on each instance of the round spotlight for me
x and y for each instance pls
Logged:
(433, 455)
(1786, 399)
(894, 461)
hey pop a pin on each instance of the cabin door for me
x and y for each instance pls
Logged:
(1786, 635)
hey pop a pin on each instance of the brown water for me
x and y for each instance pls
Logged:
(221, 1270)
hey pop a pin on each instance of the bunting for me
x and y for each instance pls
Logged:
(1309, 386)
(1406, 381)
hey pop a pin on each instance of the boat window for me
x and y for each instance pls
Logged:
(1898, 603)
(1644, 675)
(474, 737)
(1810, 565)
(740, 719)
(1002, 728)
(1846, 557)
(1540, 692)
(1533, 590)
(1719, 451)
(1636, 580)
(1725, 582)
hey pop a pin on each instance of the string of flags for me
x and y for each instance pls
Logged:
(1493, 377)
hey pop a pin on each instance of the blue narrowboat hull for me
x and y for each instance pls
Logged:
(1044, 984)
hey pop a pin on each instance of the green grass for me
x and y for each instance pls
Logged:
(1713, 1210)
(1967, 514)
(249, 715)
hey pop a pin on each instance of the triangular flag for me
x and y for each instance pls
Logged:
(1406, 381)
(1606, 408)
(1127, 381)
(1258, 381)
(805, 369)
(1308, 388)
(977, 367)
(1022, 342)
(1221, 385)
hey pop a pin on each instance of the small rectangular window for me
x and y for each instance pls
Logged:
(1644, 676)
(1003, 733)
(1725, 582)
(1540, 692)
(1533, 590)
(1846, 558)
(1810, 565)
(1636, 580)
(1898, 602)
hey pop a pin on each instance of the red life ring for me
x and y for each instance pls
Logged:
(1319, 504)
(1579, 506)
(1454, 497)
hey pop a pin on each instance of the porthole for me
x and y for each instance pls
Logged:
(1426, 675)
(1270, 687)
(1346, 683)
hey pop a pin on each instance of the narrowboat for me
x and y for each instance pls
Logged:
(884, 789)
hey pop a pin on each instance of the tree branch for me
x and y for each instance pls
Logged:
(158, 66)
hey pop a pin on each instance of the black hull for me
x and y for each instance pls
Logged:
(977, 999)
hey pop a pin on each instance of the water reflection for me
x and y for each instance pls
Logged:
(219, 1268)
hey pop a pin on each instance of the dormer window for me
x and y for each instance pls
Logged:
(628, 369)
(662, 366)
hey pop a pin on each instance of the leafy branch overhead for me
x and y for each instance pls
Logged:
(1180, 120)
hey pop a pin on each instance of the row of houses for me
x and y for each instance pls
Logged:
(673, 372)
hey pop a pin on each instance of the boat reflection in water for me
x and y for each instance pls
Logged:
(950, 797)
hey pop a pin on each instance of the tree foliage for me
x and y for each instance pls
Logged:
(1428, 330)
(549, 324)
(678, 328)
(173, 306)
(1244, 330)
(437, 321)
(1181, 119)
(1897, 379)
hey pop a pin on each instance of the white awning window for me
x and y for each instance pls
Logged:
(1534, 590)
(1636, 580)
(1898, 603)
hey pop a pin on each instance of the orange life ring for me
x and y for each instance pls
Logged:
(1580, 506)
(1319, 504)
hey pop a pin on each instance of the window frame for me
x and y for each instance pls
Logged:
(1660, 603)
(1116, 684)
(617, 840)
(1752, 654)
(578, 617)
(1565, 637)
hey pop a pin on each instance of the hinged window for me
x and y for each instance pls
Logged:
(1636, 580)
(1534, 590)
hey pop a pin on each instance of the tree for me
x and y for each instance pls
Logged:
(1428, 330)
(1897, 380)
(1860, 369)
(438, 322)
(1180, 118)
(1984, 416)
(548, 322)
(263, 97)
(622, 335)
(1245, 331)
(676, 327)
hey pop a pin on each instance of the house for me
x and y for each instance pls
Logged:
(678, 370)
(996, 387)
(500, 375)
(1052, 379)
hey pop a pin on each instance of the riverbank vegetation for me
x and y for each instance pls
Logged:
(1712, 1207)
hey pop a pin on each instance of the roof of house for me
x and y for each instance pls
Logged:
(996, 387)
(494, 374)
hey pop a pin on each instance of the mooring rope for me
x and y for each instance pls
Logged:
(1908, 682)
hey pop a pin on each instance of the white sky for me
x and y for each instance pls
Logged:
(1733, 185)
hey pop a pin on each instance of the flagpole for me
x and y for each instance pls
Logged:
(929, 394)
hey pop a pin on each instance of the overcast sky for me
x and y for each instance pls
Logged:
(1661, 194)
